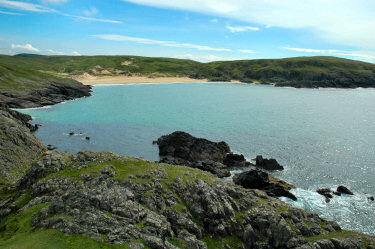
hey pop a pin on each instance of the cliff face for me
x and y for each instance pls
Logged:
(101, 200)
(18, 146)
(24, 88)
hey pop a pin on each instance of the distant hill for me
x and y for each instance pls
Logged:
(297, 72)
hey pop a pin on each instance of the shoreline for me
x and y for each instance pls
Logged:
(114, 80)
(111, 80)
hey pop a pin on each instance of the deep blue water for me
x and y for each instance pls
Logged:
(323, 137)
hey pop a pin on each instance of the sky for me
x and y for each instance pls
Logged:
(201, 30)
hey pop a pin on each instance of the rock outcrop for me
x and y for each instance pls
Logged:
(25, 88)
(136, 203)
(131, 201)
(18, 146)
(267, 164)
(181, 148)
(256, 179)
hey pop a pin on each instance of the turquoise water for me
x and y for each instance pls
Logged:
(323, 137)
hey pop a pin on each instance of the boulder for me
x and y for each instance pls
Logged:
(257, 179)
(267, 164)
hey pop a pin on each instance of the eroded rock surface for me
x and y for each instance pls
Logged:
(181, 148)
(18, 146)
(256, 179)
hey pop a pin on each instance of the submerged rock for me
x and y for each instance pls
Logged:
(326, 192)
(256, 179)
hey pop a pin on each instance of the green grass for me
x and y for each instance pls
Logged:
(266, 70)
(335, 234)
(213, 242)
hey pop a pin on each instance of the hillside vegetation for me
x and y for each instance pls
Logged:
(21, 87)
(296, 72)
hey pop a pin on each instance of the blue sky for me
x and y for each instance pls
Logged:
(203, 30)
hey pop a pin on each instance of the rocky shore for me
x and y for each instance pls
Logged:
(106, 199)
(181, 148)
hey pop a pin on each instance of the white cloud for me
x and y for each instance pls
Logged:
(54, 52)
(24, 6)
(246, 51)
(201, 58)
(355, 54)
(235, 29)
(349, 22)
(10, 13)
(76, 53)
(214, 20)
(53, 1)
(26, 47)
(92, 19)
(91, 12)
(16, 5)
(157, 42)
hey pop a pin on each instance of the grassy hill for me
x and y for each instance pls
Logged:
(297, 72)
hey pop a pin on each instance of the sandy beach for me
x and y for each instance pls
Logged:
(106, 80)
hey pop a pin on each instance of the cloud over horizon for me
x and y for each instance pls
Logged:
(363, 55)
(27, 47)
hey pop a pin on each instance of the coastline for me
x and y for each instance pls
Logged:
(111, 80)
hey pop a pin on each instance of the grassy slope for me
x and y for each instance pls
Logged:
(16, 231)
(81, 64)
(260, 70)
(17, 79)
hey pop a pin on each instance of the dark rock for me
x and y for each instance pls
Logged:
(182, 145)
(344, 190)
(18, 146)
(87, 138)
(51, 147)
(71, 133)
(54, 90)
(326, 192)
(181, 148)
(336, 193)
(267, 164)
(370, 198)
(236, 161)
(256, 179)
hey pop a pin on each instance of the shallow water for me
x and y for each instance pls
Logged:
(323, 137)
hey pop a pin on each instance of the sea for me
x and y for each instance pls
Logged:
(323, 137)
